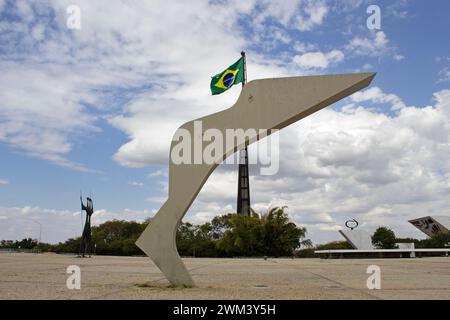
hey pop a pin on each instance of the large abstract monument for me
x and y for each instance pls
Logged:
(357, 238)
(85, 245)
(432, 225)
(263, 104)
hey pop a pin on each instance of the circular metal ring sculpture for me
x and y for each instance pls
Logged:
(351, 224)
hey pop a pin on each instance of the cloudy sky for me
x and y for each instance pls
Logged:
(93, 109)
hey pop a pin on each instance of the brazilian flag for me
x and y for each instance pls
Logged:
(223, 81)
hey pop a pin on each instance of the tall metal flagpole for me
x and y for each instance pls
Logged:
(243, 198)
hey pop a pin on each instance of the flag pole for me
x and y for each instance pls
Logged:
(243, 199)
(244, 80)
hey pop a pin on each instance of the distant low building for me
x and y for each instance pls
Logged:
(432, 225)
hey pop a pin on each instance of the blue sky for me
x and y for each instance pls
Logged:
(93, 109)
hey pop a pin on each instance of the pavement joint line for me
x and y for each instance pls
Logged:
(210, 264)
(328, 279)
(154, 281)
(345, 286)
(192, 269)
(313, 279)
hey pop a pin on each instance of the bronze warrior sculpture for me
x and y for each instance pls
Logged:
(85, 245)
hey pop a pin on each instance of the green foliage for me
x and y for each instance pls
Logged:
(384, 238)
(306, 253)
(117, 237)
(407, 240)
(233, 235)
(439, 240)
(26, 243)
(271, 234)
(309, 252)
(70, 246)
(243, 236)
(282, 237)
(114, 237)
(195, 241)
(335, 245)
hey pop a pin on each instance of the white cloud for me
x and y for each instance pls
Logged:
(318, 59)
(118, 69)
(3, 182)
(53, 91)
(24, 9)
(303, 15)
(318, 218)
(158, 173)
(349, 5)
(38, 32)
(314, 14)
(376, 95)
(304, 47)
(444, 75)
(60, 85)
(397, 9)
(156, 200)
(375, 46)
(40, 108)
(136, 184)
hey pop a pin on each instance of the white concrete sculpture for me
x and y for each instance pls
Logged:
(358, 239)
(432, 225)
(263, 104)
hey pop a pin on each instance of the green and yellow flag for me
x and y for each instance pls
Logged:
(225, 80)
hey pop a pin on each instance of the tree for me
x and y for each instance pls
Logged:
(272, 234)
(185, 239)
(27, 243)
(335, 245)
(114, 237)
(69, 246)
(219, 225)
(282, 237)
(309, 252)
(117, 237)
(439, 240)
(384, 238)
(244, 237)
(196, 240)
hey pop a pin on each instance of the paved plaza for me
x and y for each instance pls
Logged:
(43, 276)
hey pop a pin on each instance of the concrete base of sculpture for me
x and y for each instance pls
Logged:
(263, 104)
(358, 239)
